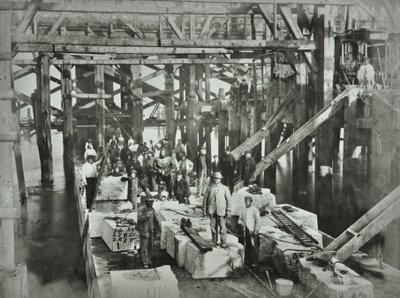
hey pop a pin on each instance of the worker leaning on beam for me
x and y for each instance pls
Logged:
(217, 205)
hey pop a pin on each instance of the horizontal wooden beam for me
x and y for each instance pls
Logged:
(91, 96)
(136, 61)
(308, 128)
(65, 41)
(161, 6)
(301, 45)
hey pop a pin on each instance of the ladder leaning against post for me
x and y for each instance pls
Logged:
(86, 226)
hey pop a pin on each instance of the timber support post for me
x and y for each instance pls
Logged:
(170, 101)
(100, 105)
(324, 144)
(43, 120)
(222, 121)
(137, 102)
(192, 119)
(68, 129)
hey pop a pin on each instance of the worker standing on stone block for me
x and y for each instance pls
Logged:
(146, 226)
(249, 219)
(217, 205)
(163, 168)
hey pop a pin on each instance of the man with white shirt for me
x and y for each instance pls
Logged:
(89, 178)
(249, 218)
(90, 151)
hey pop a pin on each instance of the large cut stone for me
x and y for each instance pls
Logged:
(344, 283)
(96, 218)
(112, 188)
(119, 238)
(260, 201)
(158, 282)
(217, 263)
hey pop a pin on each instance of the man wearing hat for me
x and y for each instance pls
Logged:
(248, 168)
(181, 189)
(133, 163)
(217, 205)
(89, 178)
(202, 169)
(146, 226)
(228, 168)
(185, 166)
(216, 165)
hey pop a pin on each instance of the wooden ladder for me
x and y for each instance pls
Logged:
(370, 224)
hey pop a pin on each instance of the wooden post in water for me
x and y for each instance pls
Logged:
(43, 120)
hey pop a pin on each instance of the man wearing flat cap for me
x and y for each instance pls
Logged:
(217, 205)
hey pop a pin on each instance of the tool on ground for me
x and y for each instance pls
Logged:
(291, 227)
(86, 225)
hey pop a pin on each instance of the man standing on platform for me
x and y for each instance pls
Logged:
(89, 178)
(217, 205)
(249, 218)
(216, 165)
(185, 166)
(228, 168)
(148, 168)
(202, 168)
(181, 189)
(163, 167)
(248, 168)
(146, 226)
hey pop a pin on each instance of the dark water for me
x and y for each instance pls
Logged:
(47, 232)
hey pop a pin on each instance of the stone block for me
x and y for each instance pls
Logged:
(146, 283)
(14, 282)
(349, 285)
(260, 201)
(163, 235)
(112, 188)
(218, 263)
(119, 238)
(171, 231)
(96, 217)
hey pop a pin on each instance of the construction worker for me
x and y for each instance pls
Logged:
(228, 168)
(217, 205)
(248, 168)
(167, 144)
(163, 167)
(181, 189)
(148, 169)
(90, 151)
(249, 219)
(215, 165)
(185, 166)
(146, 226)
(89, 178)
(366, 74)
(179, 149)
(202, 169)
